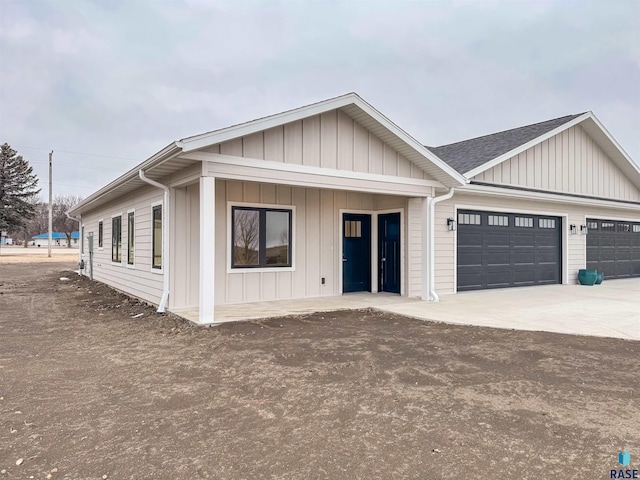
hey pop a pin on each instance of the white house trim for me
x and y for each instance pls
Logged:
(207, 249)
(217, 158)
(543, 196)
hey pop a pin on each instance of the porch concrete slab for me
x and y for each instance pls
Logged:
(283, 308)
(608, 310)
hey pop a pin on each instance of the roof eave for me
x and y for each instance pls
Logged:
(169, 151)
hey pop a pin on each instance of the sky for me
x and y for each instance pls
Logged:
(105, 84)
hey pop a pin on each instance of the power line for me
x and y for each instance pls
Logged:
(78, 153)
(78, 165)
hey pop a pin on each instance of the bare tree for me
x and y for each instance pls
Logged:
(61, 223)
(246, 237)
(36, 225)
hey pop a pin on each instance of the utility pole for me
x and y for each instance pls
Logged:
(50, 203)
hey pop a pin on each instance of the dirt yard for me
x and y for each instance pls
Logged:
(88, 392)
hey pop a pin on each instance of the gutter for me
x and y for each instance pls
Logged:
(432, 296)
(165, 239)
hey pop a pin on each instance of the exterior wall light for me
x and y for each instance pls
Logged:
(451, 223)
(573, 229)
(584, 230)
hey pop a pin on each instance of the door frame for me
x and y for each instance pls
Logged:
(401, 241)
(564, 236)
(375, 274)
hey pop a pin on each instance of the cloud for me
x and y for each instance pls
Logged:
(125, 78)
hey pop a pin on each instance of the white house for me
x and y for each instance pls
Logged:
(334, 198)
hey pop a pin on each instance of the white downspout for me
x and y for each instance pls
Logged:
(433, 296)
(165, 239)
(79, 220)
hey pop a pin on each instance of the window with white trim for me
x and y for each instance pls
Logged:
(592, 225)
(524, 222)
(116, 239)
(498, 220)
(636, 228)
(131, 232)
(468, 219)
(608, 227)
(100, 233)
(156, 236)
(546, 223)
(260, 237)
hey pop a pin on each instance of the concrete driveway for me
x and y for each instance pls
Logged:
(608, 310)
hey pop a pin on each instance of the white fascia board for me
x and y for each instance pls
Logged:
(307, 170)
(512, 153)
(166, 153)
(544, 197)
(409, 140)
(613, 141)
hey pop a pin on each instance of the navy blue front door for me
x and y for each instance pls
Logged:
(356, 252)
(389, 252)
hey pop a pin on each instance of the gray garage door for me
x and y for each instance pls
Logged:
(613, 247)
(497, 250)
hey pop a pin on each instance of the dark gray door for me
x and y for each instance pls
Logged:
(356, 253)
(613, 248)
(389, 252)
(498, 250)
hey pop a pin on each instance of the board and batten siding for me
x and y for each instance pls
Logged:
(316, 240)
(569, 162)
(184, 285)
(331, 140)
(445, 240)
(138, 280)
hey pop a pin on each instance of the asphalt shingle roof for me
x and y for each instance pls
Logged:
(469, 154)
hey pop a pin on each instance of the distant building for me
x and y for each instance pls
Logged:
(58, 239)
(4, 239)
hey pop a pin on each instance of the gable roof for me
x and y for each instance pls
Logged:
(469, 154)
(474, 156)
(358, 109)
(167, 161)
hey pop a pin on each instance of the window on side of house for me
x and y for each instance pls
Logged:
(82, 239)
(116, 239)
(131, 235)
(156, 241)
(260, 237)
(100, 234)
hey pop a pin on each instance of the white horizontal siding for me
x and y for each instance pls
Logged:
(139, 280)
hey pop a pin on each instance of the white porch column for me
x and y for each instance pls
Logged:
(416, 251)
(207, 249)
(424, 215)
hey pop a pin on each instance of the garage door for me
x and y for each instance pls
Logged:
(498, 250)
(613, 247)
